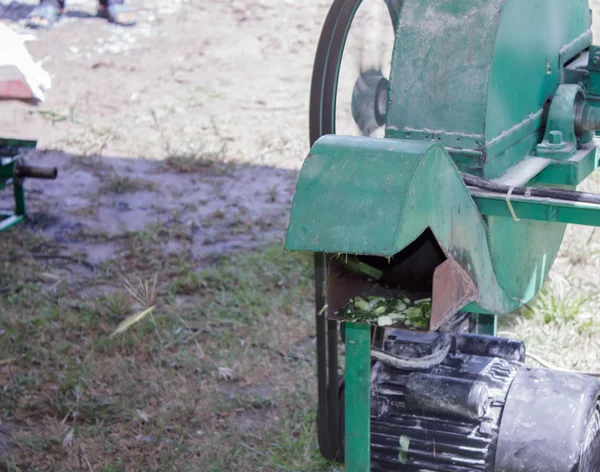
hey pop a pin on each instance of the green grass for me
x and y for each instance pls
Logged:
(219, 378)
(559, 326)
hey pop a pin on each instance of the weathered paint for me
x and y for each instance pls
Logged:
(525, 70)
(571, 172)
(369, 196)
(475, 75)
(376, 196)
(440, 71)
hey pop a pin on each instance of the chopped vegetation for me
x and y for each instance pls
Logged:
(388, 311)
(150, 363)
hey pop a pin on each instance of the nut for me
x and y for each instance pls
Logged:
(555, 137)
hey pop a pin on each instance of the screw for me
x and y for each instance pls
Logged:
(556, 137)
(596, 58)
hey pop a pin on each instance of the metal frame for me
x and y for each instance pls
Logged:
(358, 355)
(564, 156)
(9, 156)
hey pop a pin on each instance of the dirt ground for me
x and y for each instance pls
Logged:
(178, 143)
(212, 73)
(193, 81)
(183, 136)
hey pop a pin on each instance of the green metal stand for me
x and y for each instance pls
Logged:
(8, 220)
(486, 324)
(10, 150)
(358, 398)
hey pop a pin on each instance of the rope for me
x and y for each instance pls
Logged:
(510, 207)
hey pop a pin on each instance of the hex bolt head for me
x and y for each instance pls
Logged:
(556, 137)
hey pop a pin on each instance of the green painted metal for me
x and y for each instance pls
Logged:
(481, 80)
(375, 196)
(560, 139)
(19, 194)
(465, 58)
(571, 172)
(442, 49)
(538, 209)
(528, 55)
(478, 86)
(10, 147)
(481, 75)
(8, 220)
(9, 156)
(593, 79)
(486, 324)
(357, 397)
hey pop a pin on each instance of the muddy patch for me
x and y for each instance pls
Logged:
(96, 203)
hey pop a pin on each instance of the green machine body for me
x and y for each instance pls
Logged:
(490, 114)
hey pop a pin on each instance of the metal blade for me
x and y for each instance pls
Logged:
(369, 101)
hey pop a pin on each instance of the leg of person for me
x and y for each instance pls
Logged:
(45, 14)
(117, 12)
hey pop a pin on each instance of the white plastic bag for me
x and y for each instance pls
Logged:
(20, 77)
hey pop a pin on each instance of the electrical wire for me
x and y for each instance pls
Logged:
(440, 351)
(557, 194)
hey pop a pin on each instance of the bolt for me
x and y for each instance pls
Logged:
(596, 59)
(556, 137)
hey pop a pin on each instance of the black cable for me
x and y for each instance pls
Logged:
(557, 194)
(439, 352)
(440, 349)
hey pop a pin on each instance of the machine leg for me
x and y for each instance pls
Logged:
(19, 192)
(358, 398)
(333, 406)
(486, 324)
(8, 220)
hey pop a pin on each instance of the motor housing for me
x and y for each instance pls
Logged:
(481, 409)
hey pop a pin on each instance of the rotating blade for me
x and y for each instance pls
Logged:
(369, 101)
(357, 40)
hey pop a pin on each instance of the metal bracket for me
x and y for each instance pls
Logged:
(561, 140)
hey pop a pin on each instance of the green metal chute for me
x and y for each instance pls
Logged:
(368, 196)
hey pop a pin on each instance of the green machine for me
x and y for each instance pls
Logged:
(13, 172)
(474, 130)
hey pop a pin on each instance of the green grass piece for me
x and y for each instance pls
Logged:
(404, 447)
